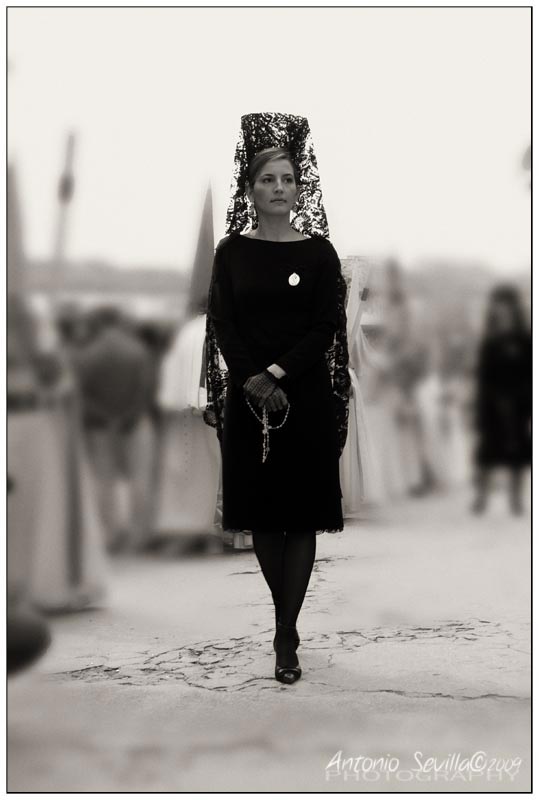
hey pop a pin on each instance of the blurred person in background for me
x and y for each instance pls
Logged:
(407, 354)
(55, 538)
(408, 365)
(503, 397)
(408, 372)
(27, 633)
(73, 326)
(190, 459)
(454, 365)
(117, 381)
(382, 403)
(157, 337)
(56, 558)
(442, 432)
(361, 476)
(428, 397)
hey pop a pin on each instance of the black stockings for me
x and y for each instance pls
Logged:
(286, 561)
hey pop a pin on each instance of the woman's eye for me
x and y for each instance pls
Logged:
(266, 179)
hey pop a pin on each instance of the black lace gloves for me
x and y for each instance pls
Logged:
(264, 390)
(259, 387)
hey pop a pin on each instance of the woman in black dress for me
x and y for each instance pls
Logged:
(276, 311)
(504, 395)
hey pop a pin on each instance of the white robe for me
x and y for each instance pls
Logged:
(361, 482)
(445, 444)
(56, 541)
(190, 457)
(55, 530)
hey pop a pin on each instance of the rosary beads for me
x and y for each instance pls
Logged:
(266, 427)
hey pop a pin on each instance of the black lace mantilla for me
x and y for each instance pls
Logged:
(257, 132)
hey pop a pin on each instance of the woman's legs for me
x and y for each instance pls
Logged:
(299, 555)
(269, 550)
(286, 563)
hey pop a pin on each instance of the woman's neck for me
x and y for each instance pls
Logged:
(278, 230)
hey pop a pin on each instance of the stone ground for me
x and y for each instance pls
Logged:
(415, 637)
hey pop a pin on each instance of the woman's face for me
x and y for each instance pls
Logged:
(275, 190)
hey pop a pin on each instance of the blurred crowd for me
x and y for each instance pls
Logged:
(447, 409)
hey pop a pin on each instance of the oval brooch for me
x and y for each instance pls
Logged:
(294, 279)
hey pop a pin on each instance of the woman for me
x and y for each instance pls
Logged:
(276, 311)
(504, 394)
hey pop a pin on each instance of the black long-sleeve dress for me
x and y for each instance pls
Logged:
(504, 401)
(260, 318)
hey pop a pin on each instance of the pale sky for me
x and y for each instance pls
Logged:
(419, 117)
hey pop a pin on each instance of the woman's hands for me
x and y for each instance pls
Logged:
(259, 387)
(277, 400)
(264, 390)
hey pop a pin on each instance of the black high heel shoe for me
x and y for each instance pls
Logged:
(287, 668)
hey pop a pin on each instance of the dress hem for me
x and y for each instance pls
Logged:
(249, 531)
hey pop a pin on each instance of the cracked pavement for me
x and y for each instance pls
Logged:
(415, 636)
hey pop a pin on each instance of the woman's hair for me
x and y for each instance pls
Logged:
(270, 154)
(510, 296)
